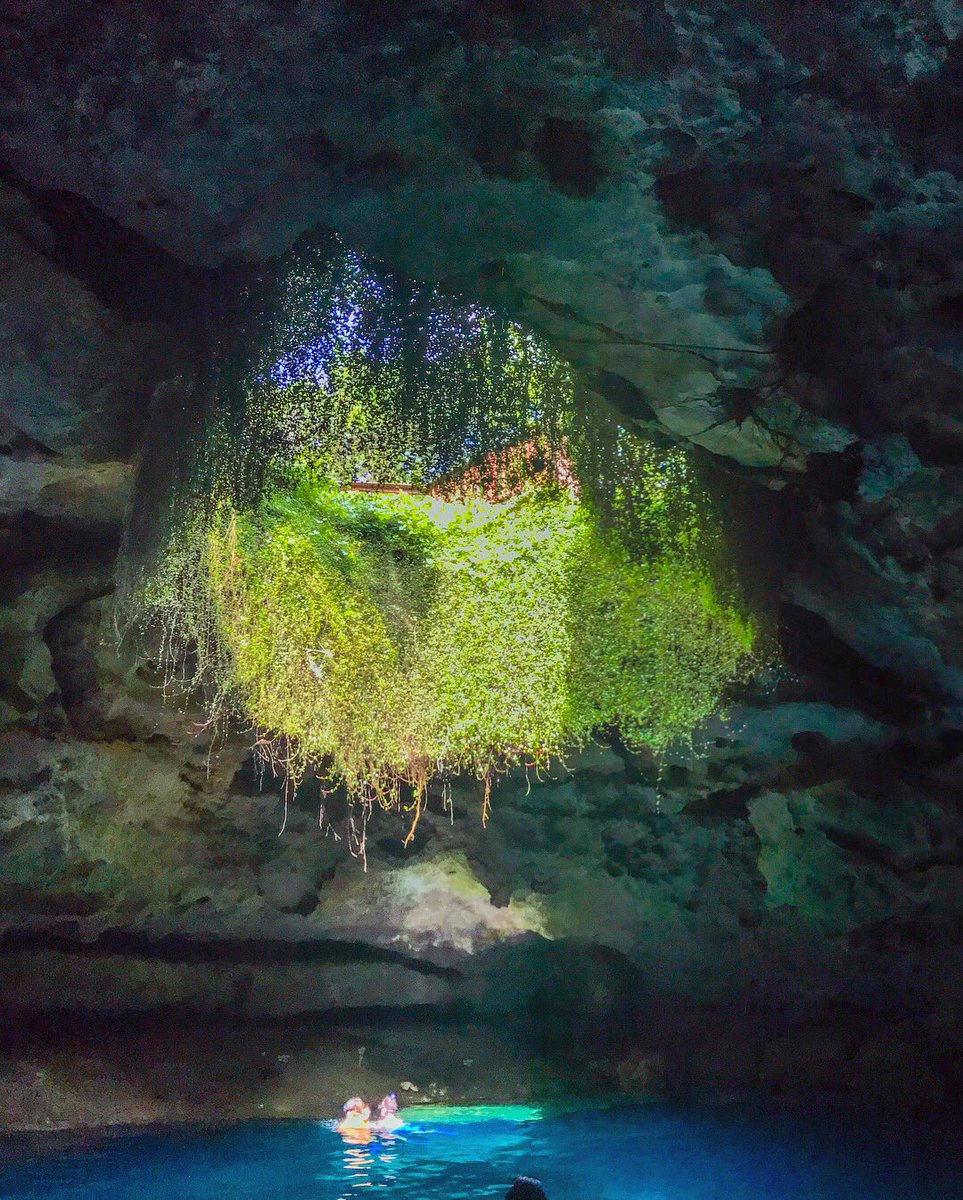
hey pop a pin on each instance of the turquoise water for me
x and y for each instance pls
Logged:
(645, 1153)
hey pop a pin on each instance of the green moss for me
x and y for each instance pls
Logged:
(384, 639)
(387, 638)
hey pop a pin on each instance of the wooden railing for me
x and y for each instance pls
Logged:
(384, 487)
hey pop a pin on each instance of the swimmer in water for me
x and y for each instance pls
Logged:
(388, 1120)
(526, 1188)
(356, 1115)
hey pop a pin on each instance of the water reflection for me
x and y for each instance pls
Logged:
(368, 1161)
(657, 1152)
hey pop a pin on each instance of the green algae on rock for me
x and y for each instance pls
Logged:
(385, 638)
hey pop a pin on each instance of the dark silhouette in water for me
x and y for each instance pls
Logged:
(526, 1188)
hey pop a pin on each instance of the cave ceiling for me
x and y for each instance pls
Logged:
(743, 228)
(781, 195)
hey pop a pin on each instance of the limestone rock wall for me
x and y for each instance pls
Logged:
(775, 202)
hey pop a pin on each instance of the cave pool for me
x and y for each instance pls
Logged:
(651, 1152)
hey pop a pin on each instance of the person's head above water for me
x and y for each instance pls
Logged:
(388, 1106)
(355, 1105)
(526, 1188)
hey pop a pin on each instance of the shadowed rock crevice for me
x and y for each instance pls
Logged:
(811, 645)
(861, 846)
(174, 948)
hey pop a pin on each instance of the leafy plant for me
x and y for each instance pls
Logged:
(547, 573)
(384, 639)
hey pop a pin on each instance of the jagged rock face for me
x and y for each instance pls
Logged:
(620, 174)
(788, 185)
(715, 175)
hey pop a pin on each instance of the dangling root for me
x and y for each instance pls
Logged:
(418, 776)
(410, 835)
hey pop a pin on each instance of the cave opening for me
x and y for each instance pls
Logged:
(405, 544)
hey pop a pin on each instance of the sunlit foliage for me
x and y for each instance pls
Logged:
(365, 376)
(543, 572)
(385, 638)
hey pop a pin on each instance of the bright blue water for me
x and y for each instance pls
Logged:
(650, 1153)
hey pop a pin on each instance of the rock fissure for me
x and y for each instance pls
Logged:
(882, 855)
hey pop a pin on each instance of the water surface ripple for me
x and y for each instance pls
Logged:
(653, 1152)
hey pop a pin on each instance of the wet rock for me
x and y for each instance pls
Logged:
(71, 1073)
